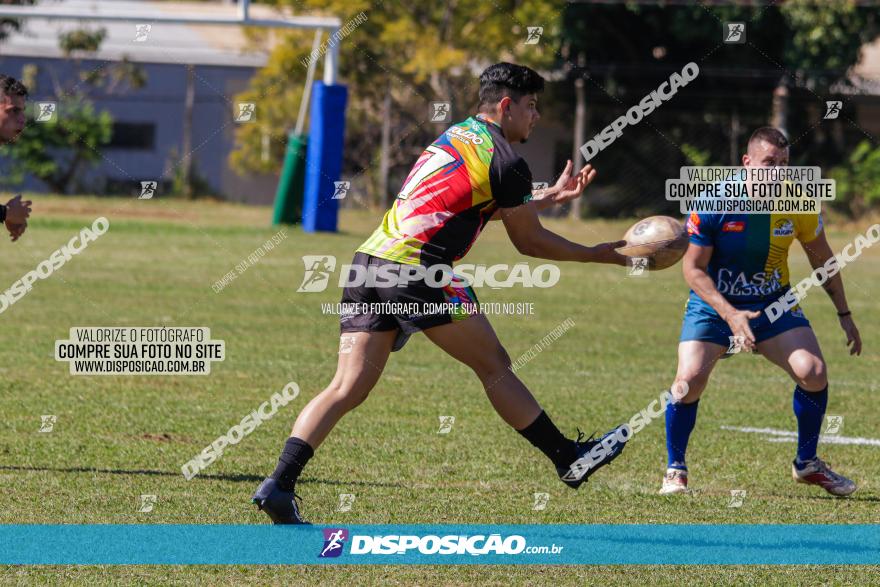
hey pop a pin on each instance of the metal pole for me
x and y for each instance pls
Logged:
(580, 129)
(331, 60)
(385, 196)
(307, 91)
(186, 143)
(62, 13)
(734, 137)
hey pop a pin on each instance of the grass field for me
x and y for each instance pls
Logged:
(118, 437)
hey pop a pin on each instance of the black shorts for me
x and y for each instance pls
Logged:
(408, 307)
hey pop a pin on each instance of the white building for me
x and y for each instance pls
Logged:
(149, 123)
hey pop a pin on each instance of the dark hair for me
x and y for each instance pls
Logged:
(770, 134)
(9, 86)
(508, 79)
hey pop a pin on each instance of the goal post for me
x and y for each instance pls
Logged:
(323, 158)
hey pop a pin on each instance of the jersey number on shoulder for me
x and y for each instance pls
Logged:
(433, 160)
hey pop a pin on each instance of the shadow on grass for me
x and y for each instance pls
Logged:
(207, 477)
(847, 498)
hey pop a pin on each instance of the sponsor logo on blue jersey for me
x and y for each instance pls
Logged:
(761, 283)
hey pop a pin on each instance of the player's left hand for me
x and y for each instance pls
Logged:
(607, 253)
(16, 230)
(568, 186)
(852, 335)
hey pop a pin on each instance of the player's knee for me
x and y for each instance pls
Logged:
(689, 387)
(491, 363)
(348, 397)
(810, 371)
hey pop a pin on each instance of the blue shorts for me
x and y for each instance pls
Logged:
(702, 322)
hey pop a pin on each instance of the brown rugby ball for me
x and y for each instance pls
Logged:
(661, 239)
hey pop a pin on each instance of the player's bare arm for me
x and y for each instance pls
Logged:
(818, 253)
(532, 239)
(694, 267)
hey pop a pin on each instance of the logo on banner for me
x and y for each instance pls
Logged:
(334, 540)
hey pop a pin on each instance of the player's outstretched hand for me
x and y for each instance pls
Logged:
(17, 230)
(853, 338)
(738, 321)
(605, 253)
(568, 186)
(17, 213)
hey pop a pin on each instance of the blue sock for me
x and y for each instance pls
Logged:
(809, 408)
(680, 420)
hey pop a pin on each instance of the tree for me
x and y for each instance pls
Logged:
(8, 25)
(795, 53)
(55, 151)
(405, 55)
(858, 180)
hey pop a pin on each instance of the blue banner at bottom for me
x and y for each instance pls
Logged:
(439, 544)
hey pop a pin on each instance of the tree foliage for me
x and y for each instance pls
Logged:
(56, 151)
(858, 180)
(419, 52)
(11, 25)
(433, 51)
(626, 50)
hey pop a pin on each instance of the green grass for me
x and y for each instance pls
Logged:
(118, 437)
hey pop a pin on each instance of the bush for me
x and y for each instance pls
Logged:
(858, 181)
(57, 152)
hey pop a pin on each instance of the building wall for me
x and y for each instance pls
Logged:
(161, 102)
(543, 153)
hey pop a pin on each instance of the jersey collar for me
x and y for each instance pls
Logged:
(485, 119)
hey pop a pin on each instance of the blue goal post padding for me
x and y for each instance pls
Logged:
(324, 157)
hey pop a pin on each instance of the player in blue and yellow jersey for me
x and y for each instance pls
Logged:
(467, 177)
(737, 265)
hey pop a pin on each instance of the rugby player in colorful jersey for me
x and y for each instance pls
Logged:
(737, 265)
(467, 177)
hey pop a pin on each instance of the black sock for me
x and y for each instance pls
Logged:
(293, 459)
(549, 440)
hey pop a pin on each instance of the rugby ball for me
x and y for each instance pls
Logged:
(661, 239)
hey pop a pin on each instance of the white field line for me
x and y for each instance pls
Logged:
(776, 435)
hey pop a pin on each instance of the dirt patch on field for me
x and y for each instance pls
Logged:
(116, 209)
(163, 437)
